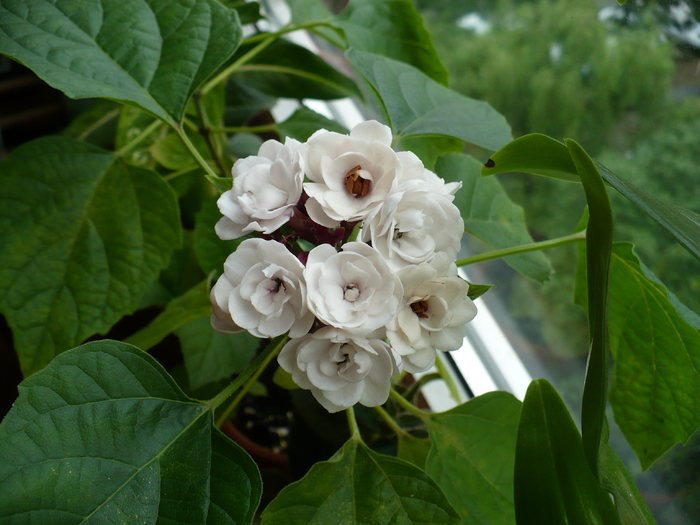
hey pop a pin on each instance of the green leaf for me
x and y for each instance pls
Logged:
(682, 224)
(413, 449)
(394, 29)
(414, 104)
(358, 486)
(429, 148)
(305, 11)
(171, 153)
(535, 153)
(104, 435)
(616, 479)
(477, 290)
(541, 155)
(472, 457)
(150, 53)
(599, 234)
(97, 124)
(83, 237)
(133, 122)
(193, 305)
(285, 69)
(304, 122)
(656, 384)
(553, 483)
(490, 215)
(210, 355)
(283, 379)
(211, 252)
(248, 12)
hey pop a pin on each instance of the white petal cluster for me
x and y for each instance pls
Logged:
(357, 312)
(266, 187)
(341, 369)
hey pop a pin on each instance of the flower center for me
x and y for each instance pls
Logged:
(279, 283)
(356, 185)
(352, 292)
(419, 308)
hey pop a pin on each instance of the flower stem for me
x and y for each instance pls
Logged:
(193, 151)
(287, 29)
(532, 247)
(420, 414)
(448, 379)
(205, 131)
(99, 123)
(352, 423)
(238, 63)
(140, 138)
(390, 421)
(250, 374)
(427, 378)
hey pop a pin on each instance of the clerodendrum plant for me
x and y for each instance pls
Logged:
(338, 246)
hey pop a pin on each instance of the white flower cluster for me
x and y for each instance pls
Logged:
(357, 312)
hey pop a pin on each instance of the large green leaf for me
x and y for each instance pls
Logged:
(599, 234)
(392, 28)
(413, 449)
(545, 156)
(358, 486)
(656, 384)
(83, 236)
(553, 483)
(285, 69)
(417, 105)
(210, 355)
(151, 53)
(193, 304)
(472, 457)
(490, 215)
(104, 435)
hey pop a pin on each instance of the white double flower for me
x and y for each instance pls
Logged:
(262, 290)
(353, 289)
(433, 315)
(266, 187)
(341, 369)
(415, 223)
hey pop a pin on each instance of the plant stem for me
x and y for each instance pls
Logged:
(427, 378)
(204, 130)
(448, 379)
(140, 138)
(287, 29)
(390, 421)
(352, 423)
(246, 129)
(532, 247)
(193, 151)
(258, 363)
(176, 174)
(420, 414)
(238, 63)
(99, 123)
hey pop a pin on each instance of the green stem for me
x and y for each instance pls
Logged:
(448, 379)
(193, 151)
(238, 63)
(390, 421)
(246, 129)
(287, 29)
(176, 174)
(352, 423)
(140, 138)
(99, 123)
(254, 369)
(427, 378)
(205, 131)
(532, 247)
(420, 414)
